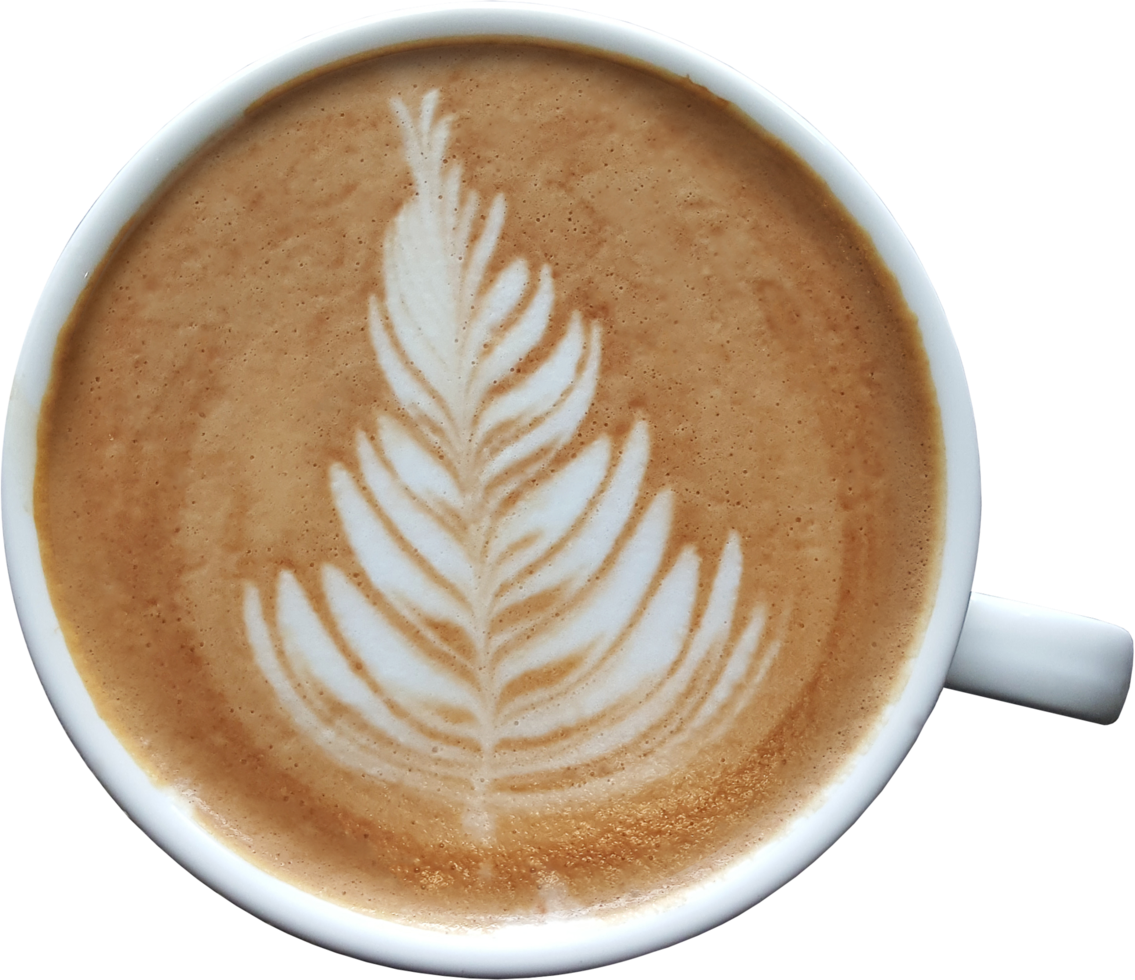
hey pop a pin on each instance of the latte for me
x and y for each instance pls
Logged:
(492, 480)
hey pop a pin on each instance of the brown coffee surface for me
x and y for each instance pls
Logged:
(221, 364)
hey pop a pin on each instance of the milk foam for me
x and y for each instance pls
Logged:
(568, 642)
(244, 450)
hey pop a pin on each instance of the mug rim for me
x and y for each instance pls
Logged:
(540, 948)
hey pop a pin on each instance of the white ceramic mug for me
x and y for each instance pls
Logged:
(826, 827)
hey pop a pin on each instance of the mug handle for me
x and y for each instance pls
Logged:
(1070, 665)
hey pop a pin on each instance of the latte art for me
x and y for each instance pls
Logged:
(519, 639)
(462, 570)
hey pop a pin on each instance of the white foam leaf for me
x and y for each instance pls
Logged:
(554, 430)
(516, 342)
(594, 621)
(420, 401)
(393, 659)
(540, 518)
(589, 547)
(392, 571)
(541, 391)
(516, 620)
(434, 546)
(419, 470)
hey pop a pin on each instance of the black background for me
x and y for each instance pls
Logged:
(993, 144)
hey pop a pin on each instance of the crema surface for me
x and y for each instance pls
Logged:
(492, 481)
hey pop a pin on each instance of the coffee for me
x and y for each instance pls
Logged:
(492, 480)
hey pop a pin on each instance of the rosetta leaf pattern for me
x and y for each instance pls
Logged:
(521, 634)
